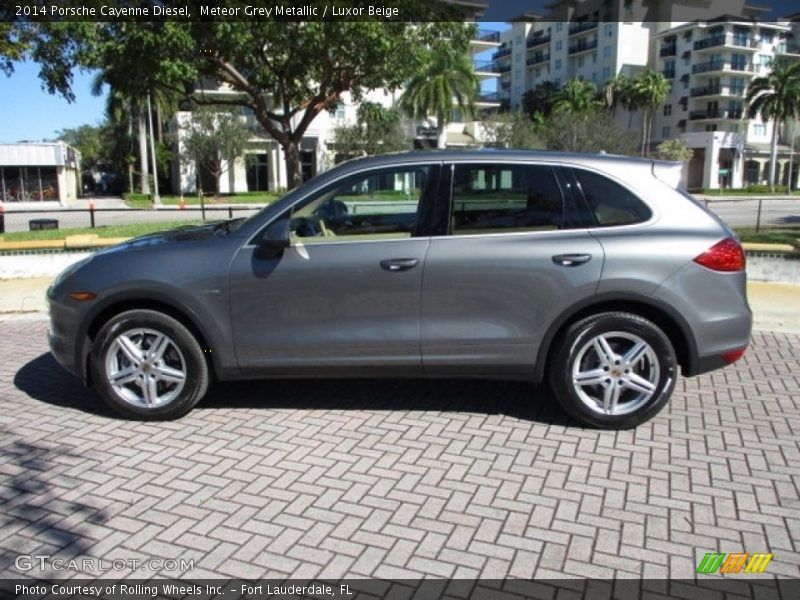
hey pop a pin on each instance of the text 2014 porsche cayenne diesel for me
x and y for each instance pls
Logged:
(596, 273)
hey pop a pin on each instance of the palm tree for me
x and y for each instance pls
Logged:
(617, 92)
(650, 89)
(578, 97)
(121, 107)
(776, 96)
(449, 80)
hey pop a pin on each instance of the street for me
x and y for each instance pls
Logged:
(775, 212)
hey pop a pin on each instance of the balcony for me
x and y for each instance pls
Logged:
(668, 50)
(668, 73)
(487, 36)
(725, 40)
(501, 67)
(581, 26)
(701, 115)
(485, 66)
(721, 66)
(488, 98)
(538, 40)
(538, 58)
(705, 90)
(582, 46)
(716, 90)
(788, 49)
(502, 53)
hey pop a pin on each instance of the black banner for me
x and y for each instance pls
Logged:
(716, 588)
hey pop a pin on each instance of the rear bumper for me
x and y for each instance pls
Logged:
(715, 309)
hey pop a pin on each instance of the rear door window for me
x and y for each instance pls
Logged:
(497, 198)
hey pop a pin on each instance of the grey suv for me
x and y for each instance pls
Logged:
(594, 272)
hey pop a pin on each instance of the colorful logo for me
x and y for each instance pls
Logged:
(742, 562)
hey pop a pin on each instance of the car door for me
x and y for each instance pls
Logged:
(345, 296)
(514, 254)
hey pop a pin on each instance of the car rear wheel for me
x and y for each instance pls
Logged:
(613, 370)
(147, 365)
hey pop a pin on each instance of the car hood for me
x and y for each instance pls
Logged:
(181, 234)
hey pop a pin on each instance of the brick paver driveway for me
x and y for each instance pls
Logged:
(400, 478)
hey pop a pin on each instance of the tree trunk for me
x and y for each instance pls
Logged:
(294, 168)
(644, 129)
(441, 127)
(144, 169)
(773, 156)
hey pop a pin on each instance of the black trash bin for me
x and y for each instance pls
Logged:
(41, 224)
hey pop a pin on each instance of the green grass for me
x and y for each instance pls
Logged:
(788, 235)
(108, 231)
(143, 201)
(754, 190)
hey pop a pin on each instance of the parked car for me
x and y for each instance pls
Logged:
(593, 272)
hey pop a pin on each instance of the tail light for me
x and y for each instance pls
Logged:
(726, 255)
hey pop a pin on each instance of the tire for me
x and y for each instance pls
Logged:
(613, 370)
(160, 386)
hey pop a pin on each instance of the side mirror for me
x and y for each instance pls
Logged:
(274, 239)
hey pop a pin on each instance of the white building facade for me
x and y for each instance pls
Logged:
(36, 173)
(711, 65)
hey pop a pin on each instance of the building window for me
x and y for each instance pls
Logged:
(607, 52)
(711, 127)
(339, 113)
(559, 26)
(559, 45)
(665, 132)
(580, 61)
(537, 72)
(606, 73)
(558, 64)
(759, 129)
(767, 36)
(667, 110)
(609, 30)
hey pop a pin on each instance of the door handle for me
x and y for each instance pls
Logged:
(399, 264)
(571, 260)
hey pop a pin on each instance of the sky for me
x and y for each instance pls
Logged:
(30, 113)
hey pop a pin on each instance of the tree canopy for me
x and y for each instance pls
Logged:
(287, 72)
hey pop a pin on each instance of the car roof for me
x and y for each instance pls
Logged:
(494, 154)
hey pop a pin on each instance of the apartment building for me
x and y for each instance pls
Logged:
(711, 65)
(709, 50)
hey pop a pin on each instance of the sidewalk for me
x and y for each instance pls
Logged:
(774, 304)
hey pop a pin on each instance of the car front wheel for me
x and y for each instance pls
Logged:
(147, 365)
(613, 370)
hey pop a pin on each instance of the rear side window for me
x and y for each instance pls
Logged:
(610, 204)
(496, 198)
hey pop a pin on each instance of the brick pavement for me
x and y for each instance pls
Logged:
(400, 478)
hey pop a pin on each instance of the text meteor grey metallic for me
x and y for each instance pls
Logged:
(594, 272)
